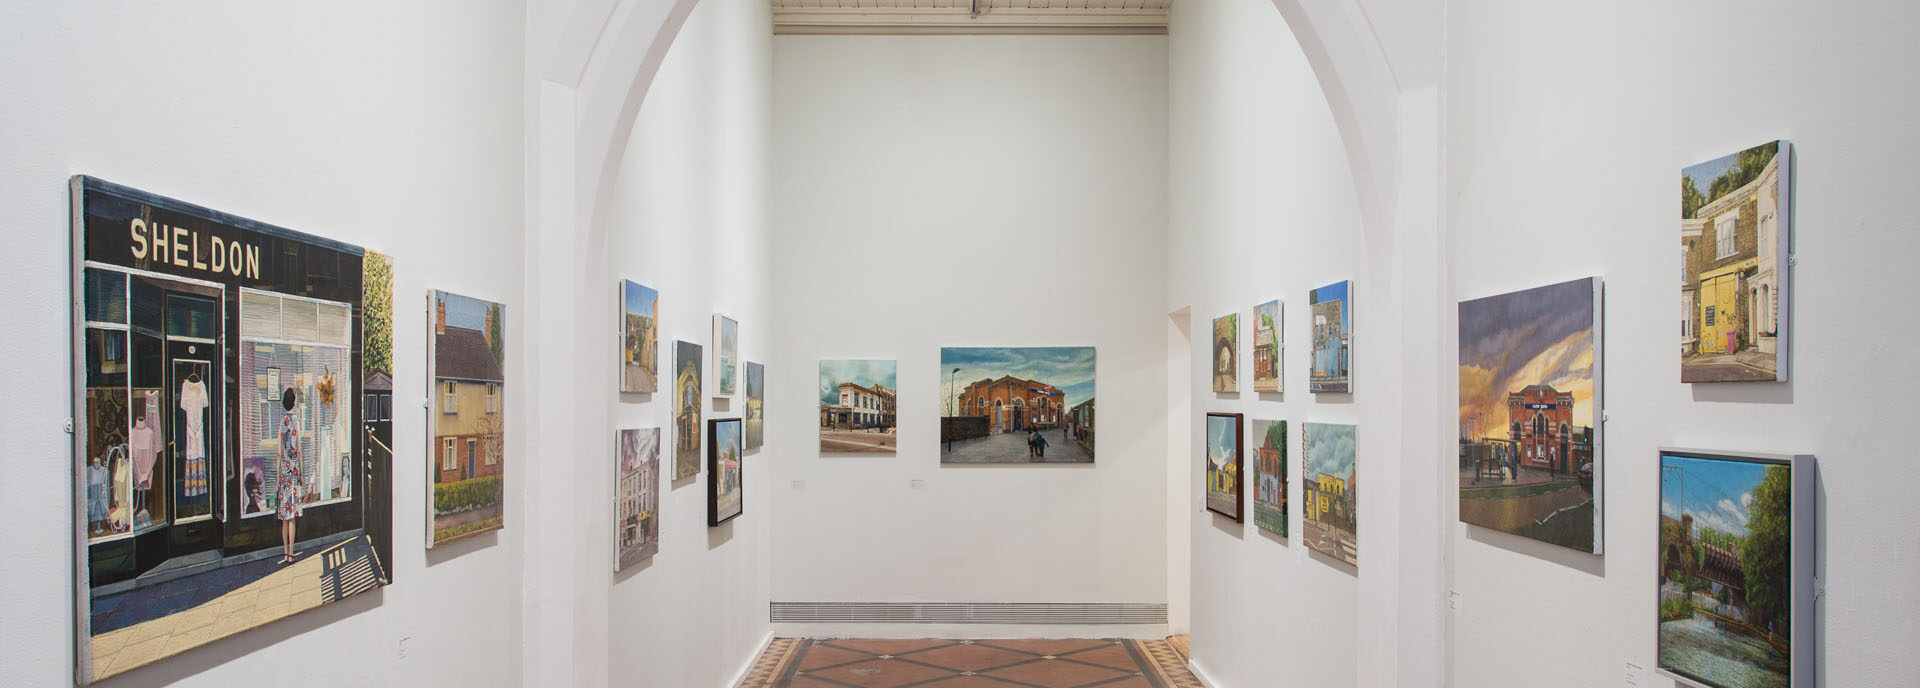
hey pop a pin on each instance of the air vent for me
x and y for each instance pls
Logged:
(969, 612)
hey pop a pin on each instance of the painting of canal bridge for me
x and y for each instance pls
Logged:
(1735, 229)
(1529, 457)
(1731, 542)
(1017, 404)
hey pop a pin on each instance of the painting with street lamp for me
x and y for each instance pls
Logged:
(1017, 404)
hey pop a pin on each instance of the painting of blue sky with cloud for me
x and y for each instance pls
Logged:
(1529, 450)
(1726, 570)
(1017, 404)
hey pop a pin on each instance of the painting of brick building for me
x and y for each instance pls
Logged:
(1269, 441)
(1017, 404)
(469, 411)
(1529, 393)
(1266, 347)
(1330, 511)
(1735, 232)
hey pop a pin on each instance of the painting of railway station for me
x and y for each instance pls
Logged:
(1529, 391)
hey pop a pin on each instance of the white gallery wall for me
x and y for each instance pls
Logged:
(1568, 126)
(394, 127)
(688, 218)
(969, 191)
(1263, 207)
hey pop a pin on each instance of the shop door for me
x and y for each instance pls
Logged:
(196, 475)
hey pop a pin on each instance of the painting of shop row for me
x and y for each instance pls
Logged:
(234, 444)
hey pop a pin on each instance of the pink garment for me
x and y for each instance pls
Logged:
(144, 446)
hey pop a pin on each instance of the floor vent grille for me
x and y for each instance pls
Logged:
(969, 612)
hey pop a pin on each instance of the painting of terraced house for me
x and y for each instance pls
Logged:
(1529, 449)
(1735, 232)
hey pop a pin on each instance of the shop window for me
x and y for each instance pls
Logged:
(106, 296)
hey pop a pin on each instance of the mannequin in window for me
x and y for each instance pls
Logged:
(289, 494)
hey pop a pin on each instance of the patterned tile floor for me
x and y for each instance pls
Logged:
(1053, 663)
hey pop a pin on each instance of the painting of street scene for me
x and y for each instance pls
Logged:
(726, 355)
(639, 338)
(1726, 571)
(686, 410)
(857, 400)
(637, 503)
(756, 383)
(1266, 347)
(233, 428)
(1226, 353)
(1270, 475)
(1734, 229)
(1529, 458)
(467, 454)
(725, 498)
(1017, 404)
(1330, 523)
(1332, 309)
(1224, 465)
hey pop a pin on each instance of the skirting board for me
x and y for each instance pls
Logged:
(740, 675)
(1199, 673)
(1101, 613)
(967, 631)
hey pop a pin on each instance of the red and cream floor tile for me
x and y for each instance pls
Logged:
(996, 663)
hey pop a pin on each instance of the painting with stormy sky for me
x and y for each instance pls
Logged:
(1529, 384)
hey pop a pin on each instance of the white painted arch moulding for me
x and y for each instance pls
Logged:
(590, 64)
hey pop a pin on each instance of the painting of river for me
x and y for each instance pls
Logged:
(1725, 601)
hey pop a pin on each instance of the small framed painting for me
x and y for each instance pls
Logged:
(725, 499)
(1224, 495)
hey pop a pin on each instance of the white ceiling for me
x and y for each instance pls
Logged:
(970, 16)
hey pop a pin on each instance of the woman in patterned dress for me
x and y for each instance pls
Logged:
(289, 494)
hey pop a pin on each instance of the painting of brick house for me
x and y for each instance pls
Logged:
(1734, 229)
(468, 449)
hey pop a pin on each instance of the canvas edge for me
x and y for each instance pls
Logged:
(82, 598)
(1784, 273)
(1805, 575)
(1599, 416)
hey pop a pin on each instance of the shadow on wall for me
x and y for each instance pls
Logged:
(1591, 564)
